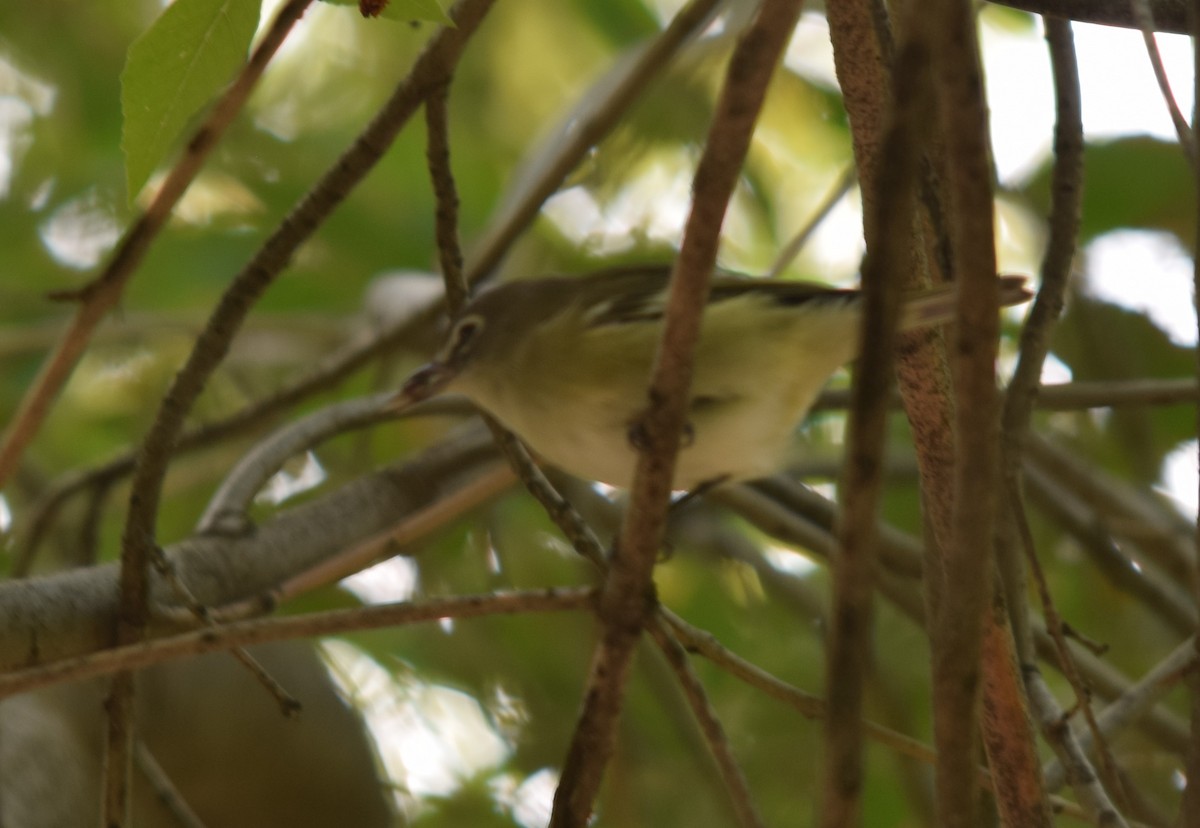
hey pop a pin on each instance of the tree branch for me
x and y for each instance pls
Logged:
(1169, 15)
(101, 294)
(628, 598)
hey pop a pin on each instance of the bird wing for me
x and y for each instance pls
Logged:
(633, 295)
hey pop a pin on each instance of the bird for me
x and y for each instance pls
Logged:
(564, 362)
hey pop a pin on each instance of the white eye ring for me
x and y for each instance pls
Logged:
(463, 336)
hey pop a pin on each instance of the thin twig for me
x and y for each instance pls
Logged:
(1079, 772)
(1065, 212)
(1126, 708)
(102, 293)
(288, 705)
(457, 289)
(841, 187)
(326, 375)
(581, 536)
(261, 630)
(1143, 17)
(164, 789)
(445, 192)
(1023, 388)
(714, 734)
(1047, 712)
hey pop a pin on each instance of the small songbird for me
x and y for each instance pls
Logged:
(564, 361)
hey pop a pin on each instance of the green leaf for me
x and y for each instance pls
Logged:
(172, 70)
(406, 10)
(1130, 182)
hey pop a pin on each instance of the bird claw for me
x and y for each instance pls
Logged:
(640, 440)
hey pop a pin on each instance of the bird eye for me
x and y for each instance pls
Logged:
(462, 337)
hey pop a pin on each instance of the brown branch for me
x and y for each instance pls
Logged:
(437, 153)
(428, 74)
(137, 541)
(1065, 212)
(260, 630)
(889, 233)
(98, 297)
(1169, 15)
(714, 734)
(560, 510)
(628, 598)
(457, 289)
(324, 376)
(1066, 207)
(102, 293)
(958, 633)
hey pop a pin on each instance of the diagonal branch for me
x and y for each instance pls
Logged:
(101, 294)
(628, 597)
(138, 538)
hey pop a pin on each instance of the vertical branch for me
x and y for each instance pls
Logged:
(862, 56)
(862, 61)
(1065, 211)
(628, 597)
(889, 221)
(437, 152)
(958, 632)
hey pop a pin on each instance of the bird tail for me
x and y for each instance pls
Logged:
(935, 306)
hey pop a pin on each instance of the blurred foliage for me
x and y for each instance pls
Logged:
(62, 201)
(1139, 181)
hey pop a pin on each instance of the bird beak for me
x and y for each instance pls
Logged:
(427, 381)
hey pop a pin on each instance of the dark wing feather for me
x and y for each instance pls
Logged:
(638, 294)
